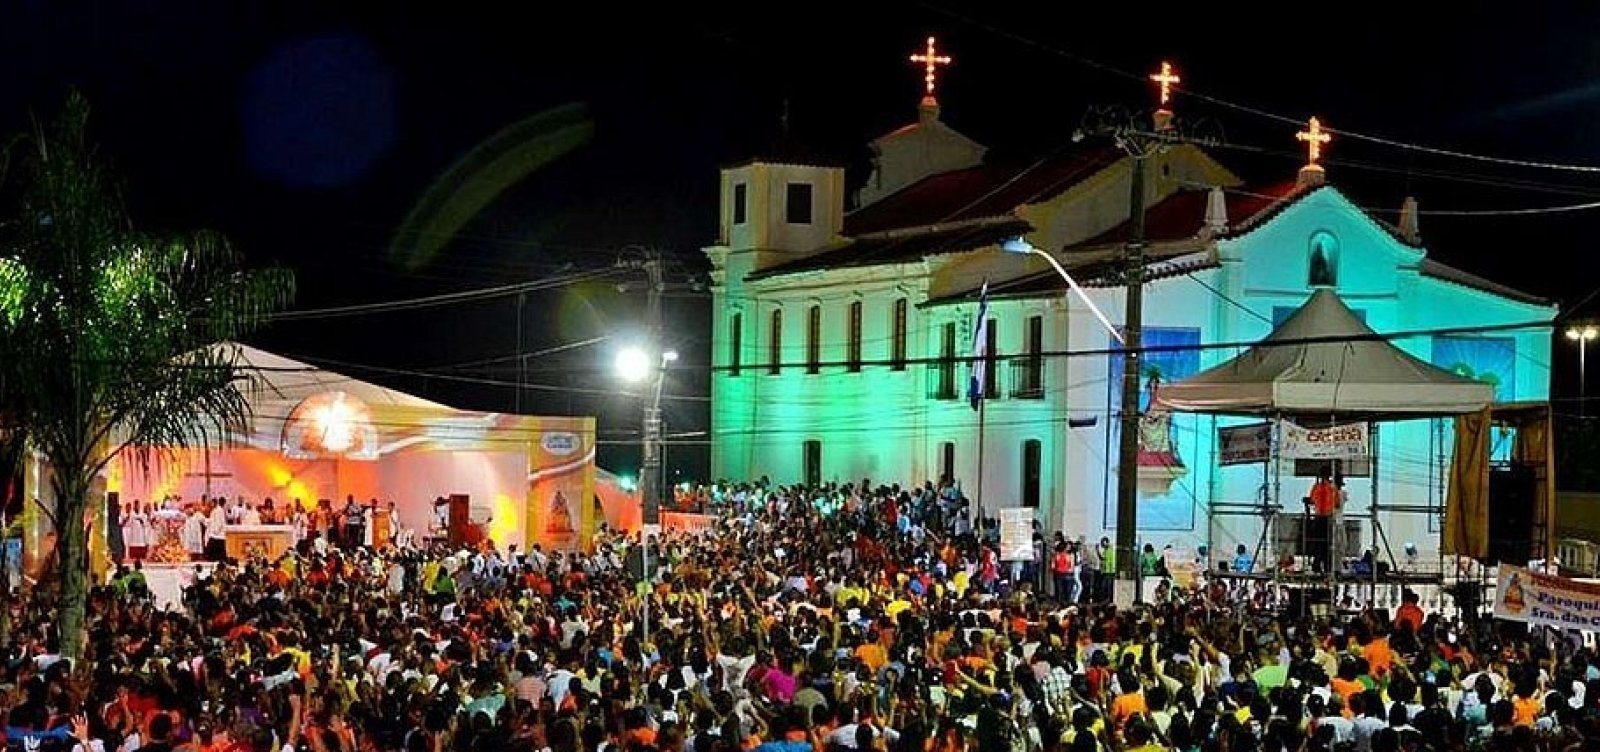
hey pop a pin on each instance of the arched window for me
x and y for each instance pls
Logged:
(1032, 471)
(814, 339)
(735, 343)
(775, 343)
(1323, 267)
(853, 355)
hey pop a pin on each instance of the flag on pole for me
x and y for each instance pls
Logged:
(980, 350)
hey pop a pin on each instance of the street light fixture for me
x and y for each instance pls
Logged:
(1021, 245)
(1582, 334)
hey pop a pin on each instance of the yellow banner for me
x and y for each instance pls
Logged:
(561, 508)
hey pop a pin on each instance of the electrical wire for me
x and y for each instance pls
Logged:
(1257, 111)
(485, 381)
(433, 301)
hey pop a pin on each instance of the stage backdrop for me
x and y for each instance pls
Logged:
(316, 434)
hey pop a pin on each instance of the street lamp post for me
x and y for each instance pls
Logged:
(637, 365)
(1020, 244)
(1582, 335)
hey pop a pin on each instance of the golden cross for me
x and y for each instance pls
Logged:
(1315, 137)
(930, 62)
(1166, 78)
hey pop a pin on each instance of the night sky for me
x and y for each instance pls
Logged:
(306, 134)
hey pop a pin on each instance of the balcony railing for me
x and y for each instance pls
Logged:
(1027, 377)
(949, 381)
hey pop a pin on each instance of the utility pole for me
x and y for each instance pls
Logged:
(1132, 132)
(1125, 590)
(650, 470)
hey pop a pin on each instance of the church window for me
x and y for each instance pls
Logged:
(854, 354)
(811, 462)
(1032, 471)
(947, 462)
(1323, 269)
(944, 371)
(1028, 379)
(735, 343)
(814, 339)
(797, 206)
(775, 344)
(740, 191)
(897, 354)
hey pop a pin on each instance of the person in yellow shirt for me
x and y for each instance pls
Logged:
(1141, 738)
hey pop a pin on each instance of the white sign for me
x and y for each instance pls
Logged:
(1528, 596)
(1238, 445)
(1347, 442)
(561, 444)
(1016, 534)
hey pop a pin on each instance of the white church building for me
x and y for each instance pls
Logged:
(841, 325)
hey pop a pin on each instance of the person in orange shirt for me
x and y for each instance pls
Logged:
(1409, 613)
(1525, 706)
(872, 654)
(1130, 703)
(1324, 509)
(1346, 685)
(1380, 657)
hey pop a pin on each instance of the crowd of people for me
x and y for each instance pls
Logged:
(197, 530)
(806, 620)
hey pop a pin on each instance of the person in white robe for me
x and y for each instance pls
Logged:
(136, 532)
(194, 534)
(297, 524)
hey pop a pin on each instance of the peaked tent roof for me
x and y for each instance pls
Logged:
(280, 379)
(1325, 362)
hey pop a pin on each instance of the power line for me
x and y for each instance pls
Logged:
(433, 301)
(1257, 111)
(484, 381)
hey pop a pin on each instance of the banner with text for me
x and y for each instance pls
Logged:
(1239, 445)
(1527, 596)
(1346, 442)
(1016, 534)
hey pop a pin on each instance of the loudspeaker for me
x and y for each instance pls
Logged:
(1511, 499)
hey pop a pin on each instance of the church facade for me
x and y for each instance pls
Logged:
(843, 327)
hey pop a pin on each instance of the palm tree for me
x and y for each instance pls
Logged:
(106, 334)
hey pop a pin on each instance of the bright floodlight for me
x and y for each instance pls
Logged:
(633, 364)
(1583, 332)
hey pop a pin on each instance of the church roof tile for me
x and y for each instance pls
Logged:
(977, 192)
(902, 248)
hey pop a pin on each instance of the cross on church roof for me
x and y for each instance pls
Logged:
(1315, 137)
(1166, 78)
(930, 61)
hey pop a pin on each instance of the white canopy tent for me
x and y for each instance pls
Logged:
(1325, 362)
(1324, 365)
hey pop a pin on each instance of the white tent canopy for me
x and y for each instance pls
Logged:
(280, 379)
(1324, 361)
